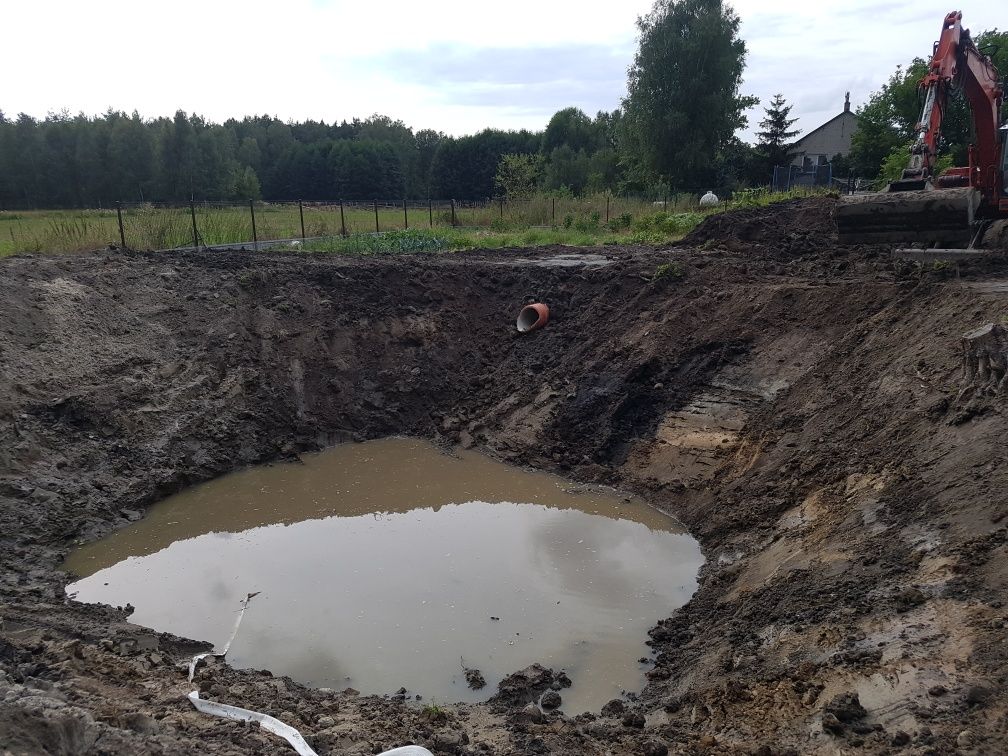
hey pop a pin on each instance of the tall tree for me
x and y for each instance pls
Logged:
(775, 134)
(683, 103)
(570, 127)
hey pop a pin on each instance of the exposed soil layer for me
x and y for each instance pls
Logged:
(800, 406)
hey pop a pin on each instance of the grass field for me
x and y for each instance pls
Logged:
(540, 220)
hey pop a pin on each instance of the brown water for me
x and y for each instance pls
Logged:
(381, 564)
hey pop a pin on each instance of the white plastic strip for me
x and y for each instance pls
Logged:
(227, 646)
(266, 722)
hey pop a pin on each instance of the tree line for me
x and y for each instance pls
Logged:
(675, 131)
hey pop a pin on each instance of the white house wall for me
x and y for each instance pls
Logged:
(832, 138)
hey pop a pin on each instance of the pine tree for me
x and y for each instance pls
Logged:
(776, 133)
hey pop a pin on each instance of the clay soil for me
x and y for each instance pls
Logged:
(800, 406)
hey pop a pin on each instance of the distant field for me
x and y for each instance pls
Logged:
(539, 220)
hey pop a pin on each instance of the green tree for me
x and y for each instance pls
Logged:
(246, 184)
(518, 175)
(775, 134)
(570, 127)
(683, 103)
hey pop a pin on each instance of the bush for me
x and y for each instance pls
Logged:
(668, 270)
(621, 222)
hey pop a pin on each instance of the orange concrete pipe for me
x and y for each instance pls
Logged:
(533, 317)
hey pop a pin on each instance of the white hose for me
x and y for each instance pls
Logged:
(266, 722)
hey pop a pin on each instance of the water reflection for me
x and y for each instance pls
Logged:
(381, 564)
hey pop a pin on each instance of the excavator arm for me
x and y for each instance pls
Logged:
(925, 207)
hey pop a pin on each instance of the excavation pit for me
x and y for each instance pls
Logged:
(390, 564)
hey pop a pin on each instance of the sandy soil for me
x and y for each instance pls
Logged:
(801, 407)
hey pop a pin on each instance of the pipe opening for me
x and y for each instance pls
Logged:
(532, 317)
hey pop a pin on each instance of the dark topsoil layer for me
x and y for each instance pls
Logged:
(798, 405)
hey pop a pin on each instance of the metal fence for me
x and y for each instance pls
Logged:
(259, 223)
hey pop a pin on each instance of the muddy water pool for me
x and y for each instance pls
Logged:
(388, 564)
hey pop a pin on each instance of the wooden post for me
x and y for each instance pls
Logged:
(554, 211)
(376, 229)
(453, 213)
(665, 202)
(502, 208)
(195, 233)
(255, 235)
(122, 232)
(301, 212)
(607, 208)
(342, 219)
(430, 211)
(405, 216)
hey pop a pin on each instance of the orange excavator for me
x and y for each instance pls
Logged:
(961, 206)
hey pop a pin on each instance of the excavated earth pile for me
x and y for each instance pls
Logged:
(811, 412)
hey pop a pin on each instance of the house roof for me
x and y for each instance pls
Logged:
(820, 128)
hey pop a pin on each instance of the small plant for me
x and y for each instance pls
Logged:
(621, 222)
(434, 714)
(668, 270)
(589, 223)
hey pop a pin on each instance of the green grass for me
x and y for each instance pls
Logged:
(454, 239)
(532, 222)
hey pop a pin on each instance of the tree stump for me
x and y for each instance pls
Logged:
(985, 361)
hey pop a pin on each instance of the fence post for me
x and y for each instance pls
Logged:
(122, 233)
(255, 235)
(665, 203)
(405, 216)
(301, 212)
(376, 229)
(607, 208)
(430, 211)
(554, 211)
(342, 219)
(502, 208)
(195, 233)
(453, 213)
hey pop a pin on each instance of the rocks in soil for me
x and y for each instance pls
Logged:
(614, 708)
(450, 742)
(846, 707)
(977, 695)
(474, 678)
(551, 700)
(900, 739)
(842, 711)
(526, 685)
(531, 714)
(633, 719)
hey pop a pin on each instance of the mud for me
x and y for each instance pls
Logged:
(800, 406)
(379, 566)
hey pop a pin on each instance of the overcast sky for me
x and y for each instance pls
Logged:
(456, 66)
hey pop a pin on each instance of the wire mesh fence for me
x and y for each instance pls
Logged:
(160, 226)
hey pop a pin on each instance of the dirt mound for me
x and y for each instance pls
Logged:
(527, 685)
(792, 227)
(807, 422)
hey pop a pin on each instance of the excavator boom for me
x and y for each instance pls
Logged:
(921, 206)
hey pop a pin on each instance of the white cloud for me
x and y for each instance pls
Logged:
(336, 59)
